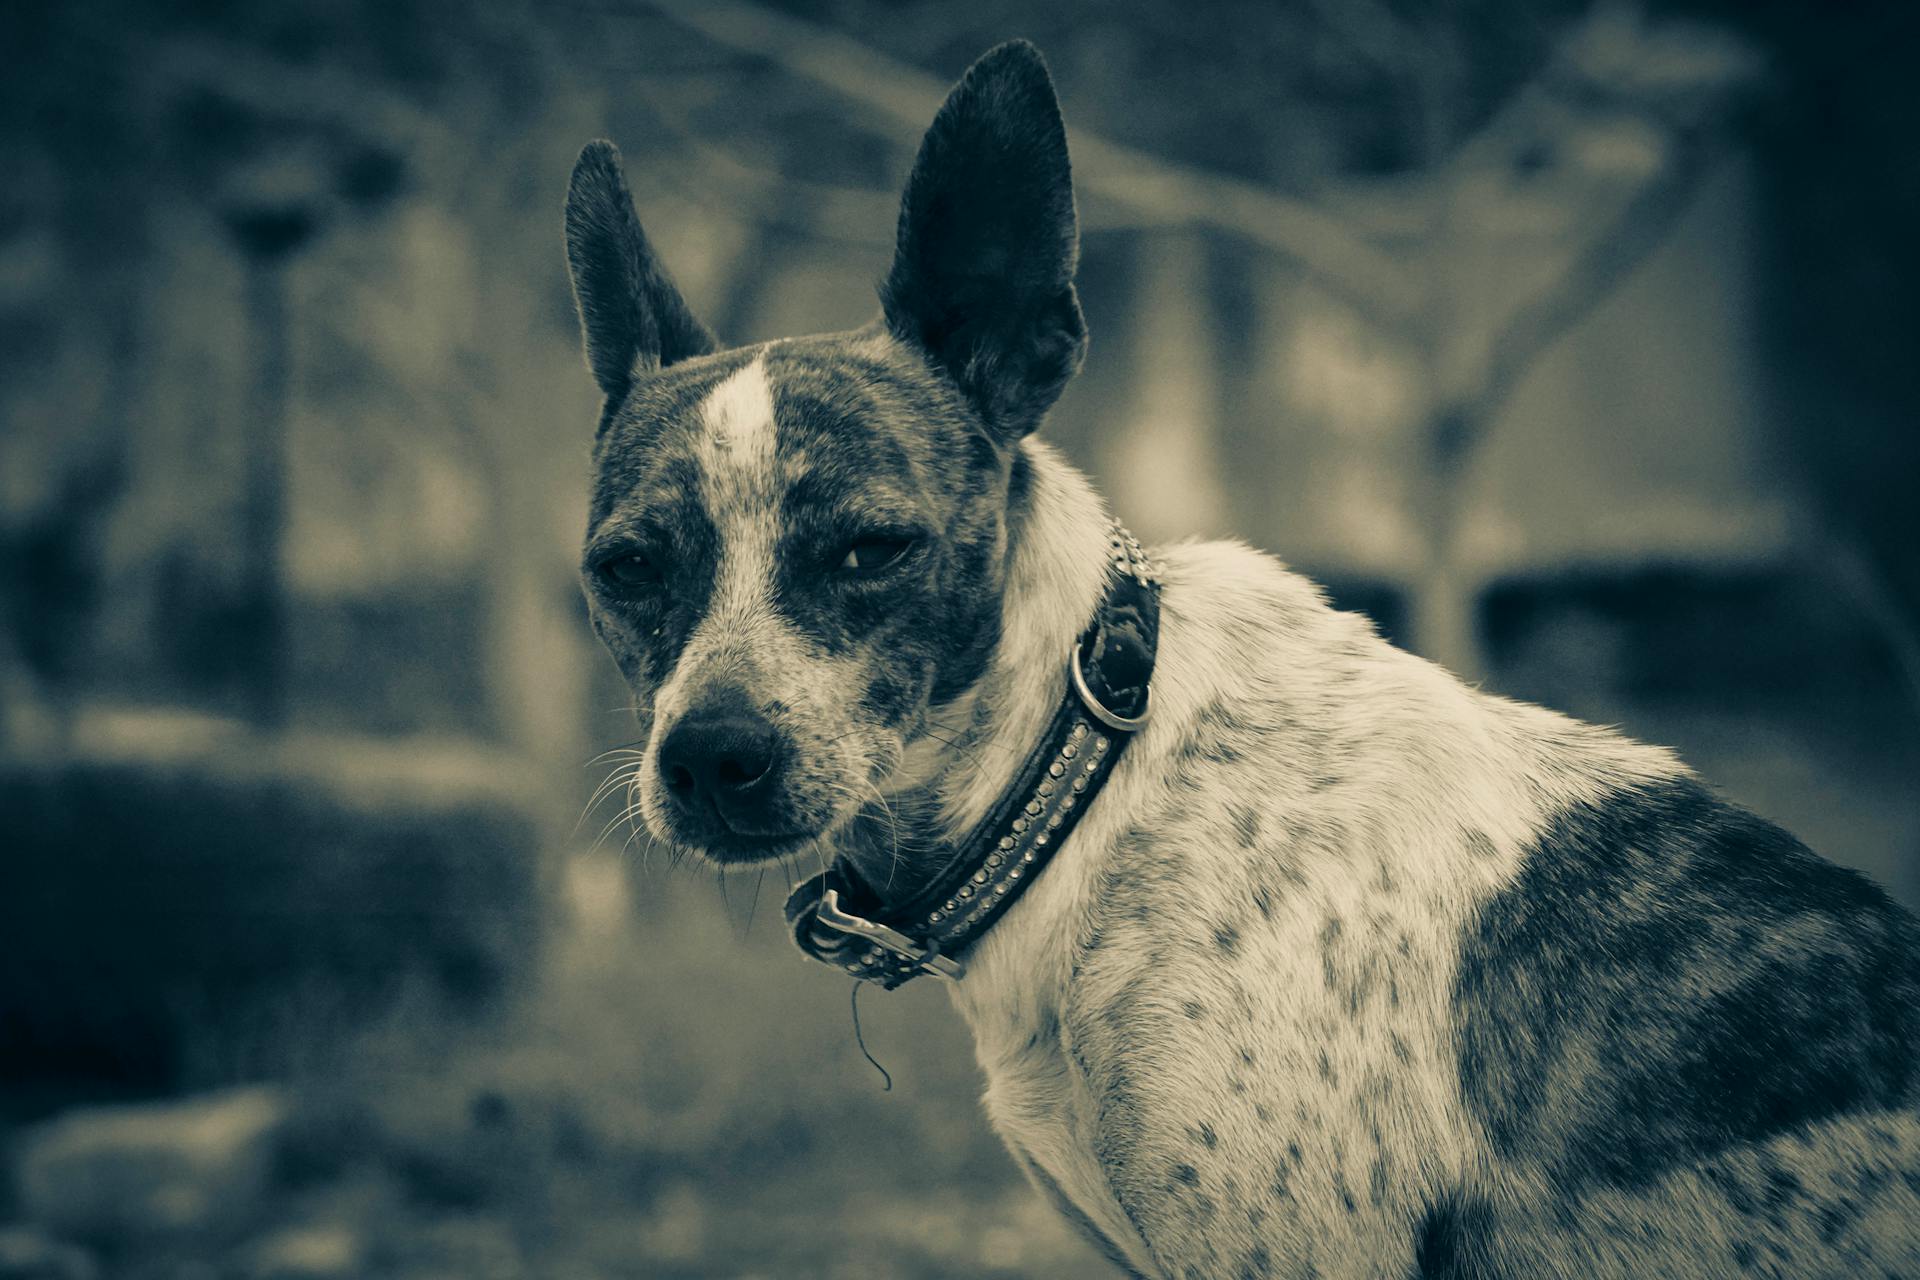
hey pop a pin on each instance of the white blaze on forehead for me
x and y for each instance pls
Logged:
(734, 446)
(736, 442)
(735, 450)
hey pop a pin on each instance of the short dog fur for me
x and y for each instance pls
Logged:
(1351, 970)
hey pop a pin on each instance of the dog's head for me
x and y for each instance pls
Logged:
(796, 551)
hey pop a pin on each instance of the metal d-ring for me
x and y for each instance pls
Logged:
(1097, 709)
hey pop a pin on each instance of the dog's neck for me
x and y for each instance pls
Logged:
(972, 748)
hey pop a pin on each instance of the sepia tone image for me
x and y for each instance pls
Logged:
(1146, 537)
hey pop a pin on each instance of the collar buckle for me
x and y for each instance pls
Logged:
(927, 959)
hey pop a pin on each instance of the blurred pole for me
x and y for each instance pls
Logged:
(1161, 459)
(263, 502)
(1443, 617)
(268, 233)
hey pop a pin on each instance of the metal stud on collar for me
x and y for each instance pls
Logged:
(1129, 557)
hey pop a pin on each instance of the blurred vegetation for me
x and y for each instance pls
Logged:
(1570, 341)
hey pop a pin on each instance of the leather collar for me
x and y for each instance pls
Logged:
(839, 919)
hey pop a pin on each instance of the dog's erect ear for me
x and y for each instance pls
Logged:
(632, 316)
(982, 278)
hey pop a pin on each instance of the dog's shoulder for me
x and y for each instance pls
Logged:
(1669, 975)
(1362, 923)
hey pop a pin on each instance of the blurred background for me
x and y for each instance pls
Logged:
(1573, 342)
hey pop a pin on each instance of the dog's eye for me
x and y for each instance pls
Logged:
(630, 570)
(870, 555)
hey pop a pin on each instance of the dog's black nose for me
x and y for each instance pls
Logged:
(724, 761)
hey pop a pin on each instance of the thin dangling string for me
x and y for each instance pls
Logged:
(857, 1039)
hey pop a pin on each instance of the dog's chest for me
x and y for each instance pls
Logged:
(1252, 1059)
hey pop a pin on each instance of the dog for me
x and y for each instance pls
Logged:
(1347, 969)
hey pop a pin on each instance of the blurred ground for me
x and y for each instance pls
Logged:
(662, 1100)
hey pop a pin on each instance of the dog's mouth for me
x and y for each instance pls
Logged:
(711, 837)
(739, 850)
(721, 831)
(727, 847)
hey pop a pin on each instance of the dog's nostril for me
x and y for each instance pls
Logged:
(734, 772)
(680, 779)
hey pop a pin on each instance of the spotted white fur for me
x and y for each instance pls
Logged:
(1440, 788)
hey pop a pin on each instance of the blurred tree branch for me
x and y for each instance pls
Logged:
(1595, 160)
(1157, 192)
(815, 209)
(1597, 155)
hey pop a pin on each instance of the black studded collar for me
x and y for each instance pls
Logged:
(839, 919)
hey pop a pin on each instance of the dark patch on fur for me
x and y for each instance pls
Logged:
(885, 449)
(1834, 1218)
(1783, 1187)
(1481, 845)
(1186, 1173)
(646, 502)
(1246, 825)
(1227, 938)
(1329, 937)
(1670, 975)
(1448, 1242)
